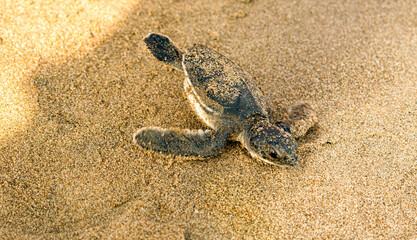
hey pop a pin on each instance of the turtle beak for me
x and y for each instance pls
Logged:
(293, 161)
(287, 163)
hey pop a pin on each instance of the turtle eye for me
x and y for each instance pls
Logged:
(270, 153)
(273, 155)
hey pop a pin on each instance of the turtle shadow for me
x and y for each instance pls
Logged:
(76, 159)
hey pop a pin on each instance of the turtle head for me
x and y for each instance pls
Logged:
(272, 144)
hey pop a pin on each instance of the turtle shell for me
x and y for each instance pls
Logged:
(222, 85)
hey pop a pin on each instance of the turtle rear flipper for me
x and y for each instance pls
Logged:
(302, 118)
(182, 142)
(164, 50)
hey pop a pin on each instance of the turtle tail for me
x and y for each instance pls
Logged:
(164, 50)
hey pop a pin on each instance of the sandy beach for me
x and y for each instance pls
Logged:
(76, 81)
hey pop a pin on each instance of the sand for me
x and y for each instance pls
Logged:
(76, 82)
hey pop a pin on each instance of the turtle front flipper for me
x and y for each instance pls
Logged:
(164, 50)
(182, 142)
(302, 117)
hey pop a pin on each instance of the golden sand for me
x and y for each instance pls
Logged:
(76, 82)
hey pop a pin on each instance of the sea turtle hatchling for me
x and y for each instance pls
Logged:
(224, 96)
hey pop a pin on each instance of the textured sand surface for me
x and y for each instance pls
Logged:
(76, 82)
